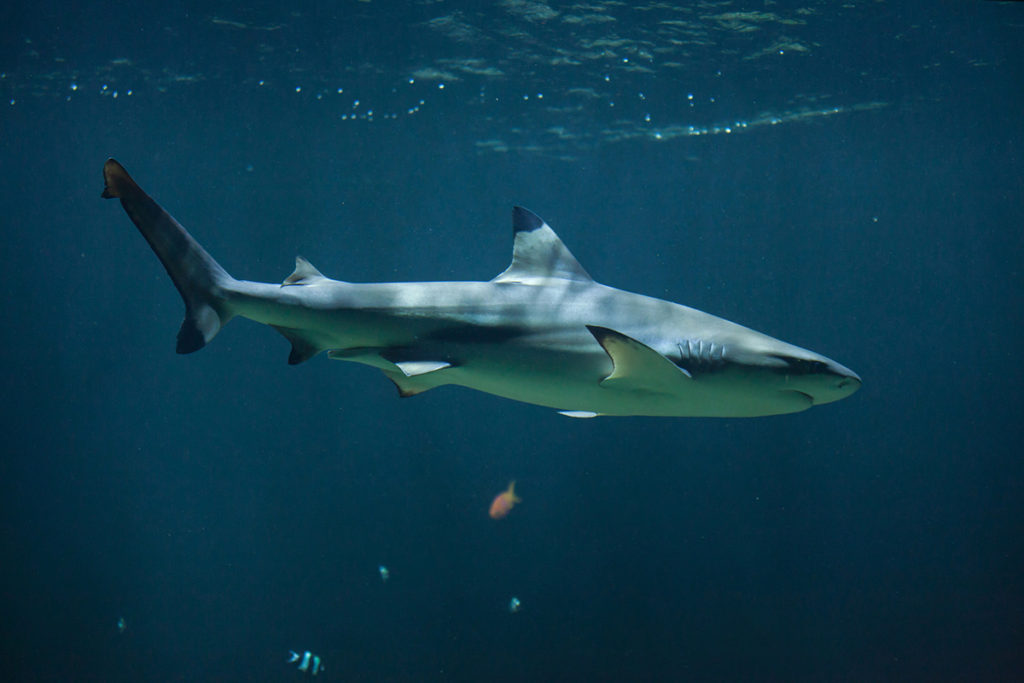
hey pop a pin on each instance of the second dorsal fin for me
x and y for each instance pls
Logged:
(304, 274)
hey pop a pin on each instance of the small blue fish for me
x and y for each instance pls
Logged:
(308, 662)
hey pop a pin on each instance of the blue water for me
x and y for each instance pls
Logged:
(848, 178)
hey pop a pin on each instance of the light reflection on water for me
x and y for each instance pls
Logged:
(526, 77)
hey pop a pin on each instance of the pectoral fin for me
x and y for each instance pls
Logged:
(636, 366)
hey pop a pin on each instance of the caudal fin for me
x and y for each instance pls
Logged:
(200, 280)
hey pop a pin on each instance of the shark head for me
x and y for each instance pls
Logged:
(787, 374)
(728, 371)
(819, 378)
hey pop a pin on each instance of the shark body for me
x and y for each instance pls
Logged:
(541, 332)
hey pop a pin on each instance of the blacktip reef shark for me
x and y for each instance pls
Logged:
(541, 332)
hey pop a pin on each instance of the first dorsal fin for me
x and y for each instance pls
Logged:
(304, 274)
(538, 254)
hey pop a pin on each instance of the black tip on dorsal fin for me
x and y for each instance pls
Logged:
(524, 220)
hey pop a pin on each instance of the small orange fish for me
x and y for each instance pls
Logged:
(504, 502)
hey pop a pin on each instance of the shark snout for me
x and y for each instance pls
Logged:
(851, 382)
(819, 379)
(841, 371)
(835, 382)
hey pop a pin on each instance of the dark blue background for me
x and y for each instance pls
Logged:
(231, 507)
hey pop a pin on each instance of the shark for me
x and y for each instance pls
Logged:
(542, 332)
